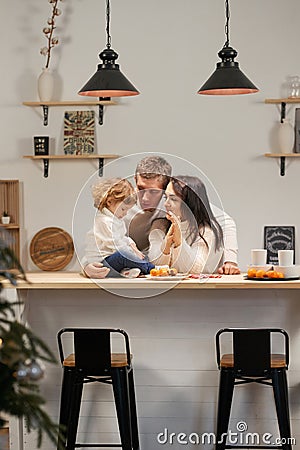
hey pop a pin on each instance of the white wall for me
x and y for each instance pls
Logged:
(167, 49)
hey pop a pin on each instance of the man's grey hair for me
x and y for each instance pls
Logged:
(154, 167)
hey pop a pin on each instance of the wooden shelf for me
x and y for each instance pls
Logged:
(10, 226)
(282, 157)
(282, 102)
(72, 103)
(78, 157)
(46, 158)
(46, 105)
(9, 202)
(277, 101)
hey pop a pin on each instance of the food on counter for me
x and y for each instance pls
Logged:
(254, 273)
(163, 271)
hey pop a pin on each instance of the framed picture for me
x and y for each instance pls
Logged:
(41, 145)
(79, 132)
(278, 238)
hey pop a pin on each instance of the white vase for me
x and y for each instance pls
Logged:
(46, 85)
(286, 137)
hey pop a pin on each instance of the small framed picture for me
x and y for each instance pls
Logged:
(278, 238)
(41, 145)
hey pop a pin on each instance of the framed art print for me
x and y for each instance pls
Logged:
(41, 145)
(278, 238)
(79, 132)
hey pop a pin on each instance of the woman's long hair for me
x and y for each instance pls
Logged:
(196, 208)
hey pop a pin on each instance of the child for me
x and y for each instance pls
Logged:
(108, 242)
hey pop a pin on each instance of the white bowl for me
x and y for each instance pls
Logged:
(288, 271)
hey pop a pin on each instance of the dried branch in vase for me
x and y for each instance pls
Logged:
(52, 41)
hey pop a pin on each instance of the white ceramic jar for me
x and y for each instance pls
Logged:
(46, 85)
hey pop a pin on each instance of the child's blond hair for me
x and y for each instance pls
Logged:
(117, 189)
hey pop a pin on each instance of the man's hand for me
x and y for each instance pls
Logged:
(229, 268)
(96, 270)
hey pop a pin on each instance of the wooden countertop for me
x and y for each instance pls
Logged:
(72, 280)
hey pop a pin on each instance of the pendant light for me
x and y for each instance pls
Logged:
(108, 81)
(227, 79)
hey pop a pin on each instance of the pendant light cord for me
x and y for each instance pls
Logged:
(227, 23)
(108, 42)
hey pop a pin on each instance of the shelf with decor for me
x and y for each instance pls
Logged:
(46, 158)
(9, 202)
(282, 102)
(46, 105)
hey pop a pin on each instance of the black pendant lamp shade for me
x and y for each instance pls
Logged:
(108, 81)
(227, 79)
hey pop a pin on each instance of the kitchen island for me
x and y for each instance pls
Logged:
(172, 328)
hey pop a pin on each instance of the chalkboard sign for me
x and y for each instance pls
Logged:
(278, 238)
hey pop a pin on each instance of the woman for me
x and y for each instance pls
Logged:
(194, 241)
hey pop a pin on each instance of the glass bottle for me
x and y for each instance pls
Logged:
(294, 90)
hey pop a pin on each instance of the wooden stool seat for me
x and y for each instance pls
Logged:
(117, 360)
(277, 360)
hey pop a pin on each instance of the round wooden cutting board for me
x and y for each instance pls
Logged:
(51, 249)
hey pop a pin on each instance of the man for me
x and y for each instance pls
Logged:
(151, 177)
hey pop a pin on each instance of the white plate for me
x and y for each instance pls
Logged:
(179, 276)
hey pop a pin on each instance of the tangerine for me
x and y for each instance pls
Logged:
(278, 274)
(163, 272)
(270, 273)
(261, 274)
(251, 273)
(154, 272)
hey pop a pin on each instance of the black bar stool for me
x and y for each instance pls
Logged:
(253, 362)
(93, 361)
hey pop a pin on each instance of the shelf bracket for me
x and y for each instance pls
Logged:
(46, 167)
(101, 109)
(45, 114)
(283, 110)
(282, 166)
(101, 164)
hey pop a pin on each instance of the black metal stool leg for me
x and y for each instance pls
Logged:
(280, 390)
(74, 412)
(65, 398)
(121, 393)
(134, 423)
(224, 406)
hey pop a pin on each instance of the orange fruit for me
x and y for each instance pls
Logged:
(251, 273)
(261, 274)
(163, 272)
(154, 272)
(278, 274)
(270, 274)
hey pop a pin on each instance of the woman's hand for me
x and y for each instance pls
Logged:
(175, 229)
(169, 240)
